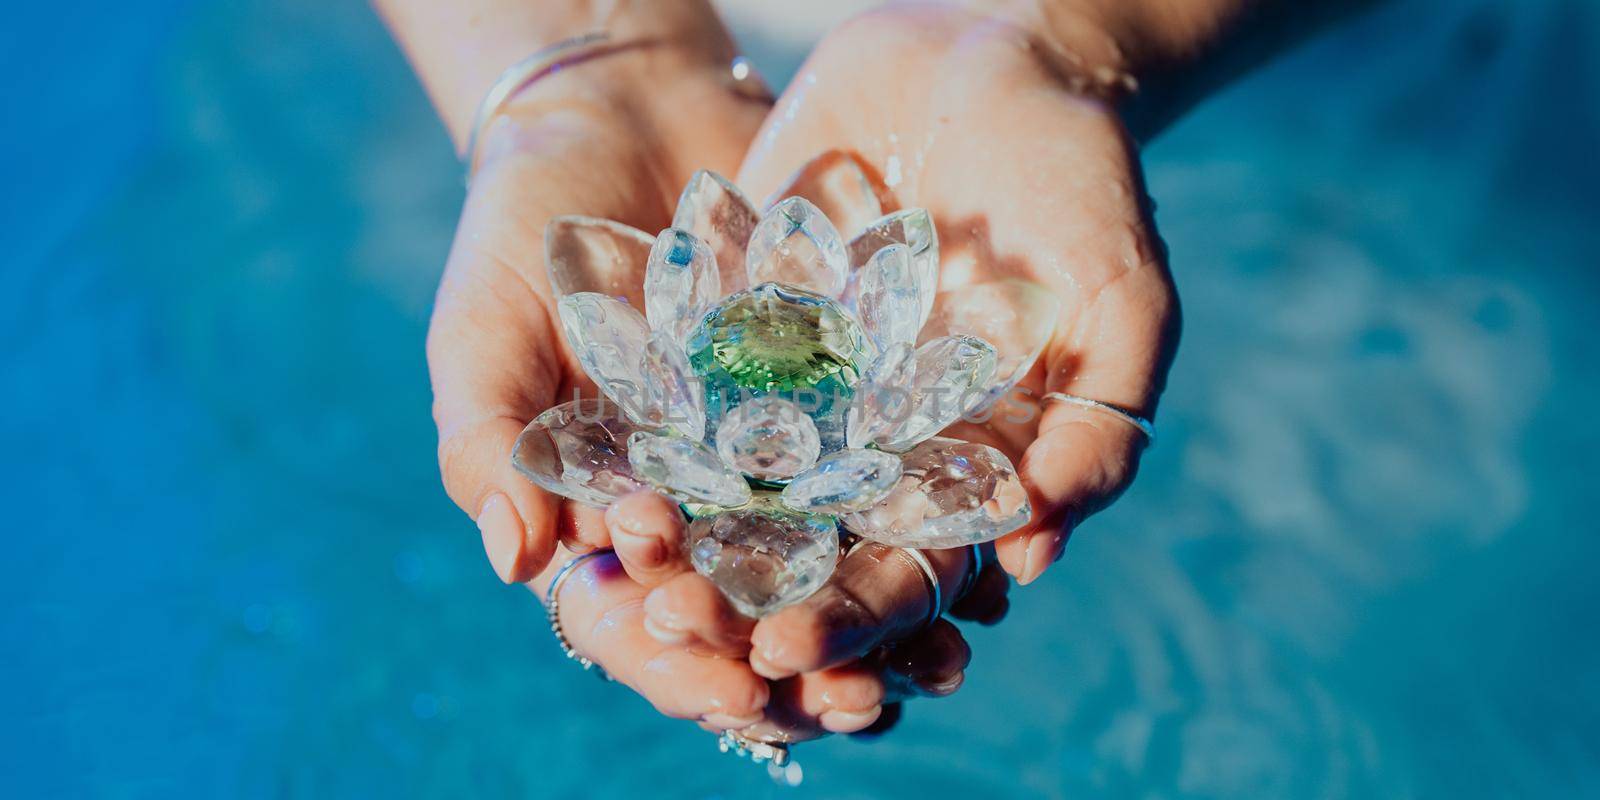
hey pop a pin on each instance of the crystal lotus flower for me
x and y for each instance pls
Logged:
(788, 396)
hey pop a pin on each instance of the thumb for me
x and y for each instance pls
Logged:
(493, 361)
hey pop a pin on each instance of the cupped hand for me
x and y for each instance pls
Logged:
(1026, 176)
(1008, 140)
(574, 143)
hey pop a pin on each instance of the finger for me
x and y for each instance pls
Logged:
(602, 615)
(843, 699)
(986, 602)
(876, 595)
(689, 610)
(646, 530)
(582, 528)
(840, 700)
(1080, 462)
(889, 718)
(932, 663)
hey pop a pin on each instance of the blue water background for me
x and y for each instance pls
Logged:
(1360, 563)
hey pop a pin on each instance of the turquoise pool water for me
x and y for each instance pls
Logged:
(1360, 563)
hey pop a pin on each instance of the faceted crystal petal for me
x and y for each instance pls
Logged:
(680, 283)
(673, 397)
(845, 481)
(912, 227)
(1017, 317)
(839, 185)
(686, 469)
(883, 397)
(608, 336)
(945, 376)
(764, 557)
(889, 297)
(773, 340)
(579, 450)
(587, 254)
(951, 493)
(796, 245)
(768, 438)
(717, 213)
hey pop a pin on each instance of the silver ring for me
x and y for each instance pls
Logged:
(542, 62)
(552, 610)
(929, 576)
(1145, 426)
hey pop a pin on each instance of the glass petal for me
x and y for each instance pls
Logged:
(889, 297)
(839, 185)
(797, 246)
(768, 438)
(912, 227)
(951, 493)
(717, 213)
(845, 481)
(945, 376)
(680, 282)
(588, 254)
(608, 336)
(673, 396)
(1016, 316)
(579, 450)
(883, 397)
(764, 557)
(686, 469)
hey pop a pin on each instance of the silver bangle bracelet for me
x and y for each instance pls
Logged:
(542, 62)
(1145, 426)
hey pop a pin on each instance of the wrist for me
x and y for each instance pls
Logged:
(460, 50)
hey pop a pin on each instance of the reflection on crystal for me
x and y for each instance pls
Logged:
(578, 450)
(672, 396)
(945, 376)
(889, 298)
(588, 254)
(608, 337)
(775, 340)
(912, 227)
(951, 493)
(844, 481)
(796, 245)
(768, 438)
(764, 557)
(717, 213)
(680, 283)
(883, 397)
(686, 469)
(1017, 317)
(837, 184)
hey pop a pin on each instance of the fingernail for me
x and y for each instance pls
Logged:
(944, 686)
(501, 530)
(849, 721)
(1043, 549)
(766, 669)
(730, 722)
(647, 550)
(663, 634)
